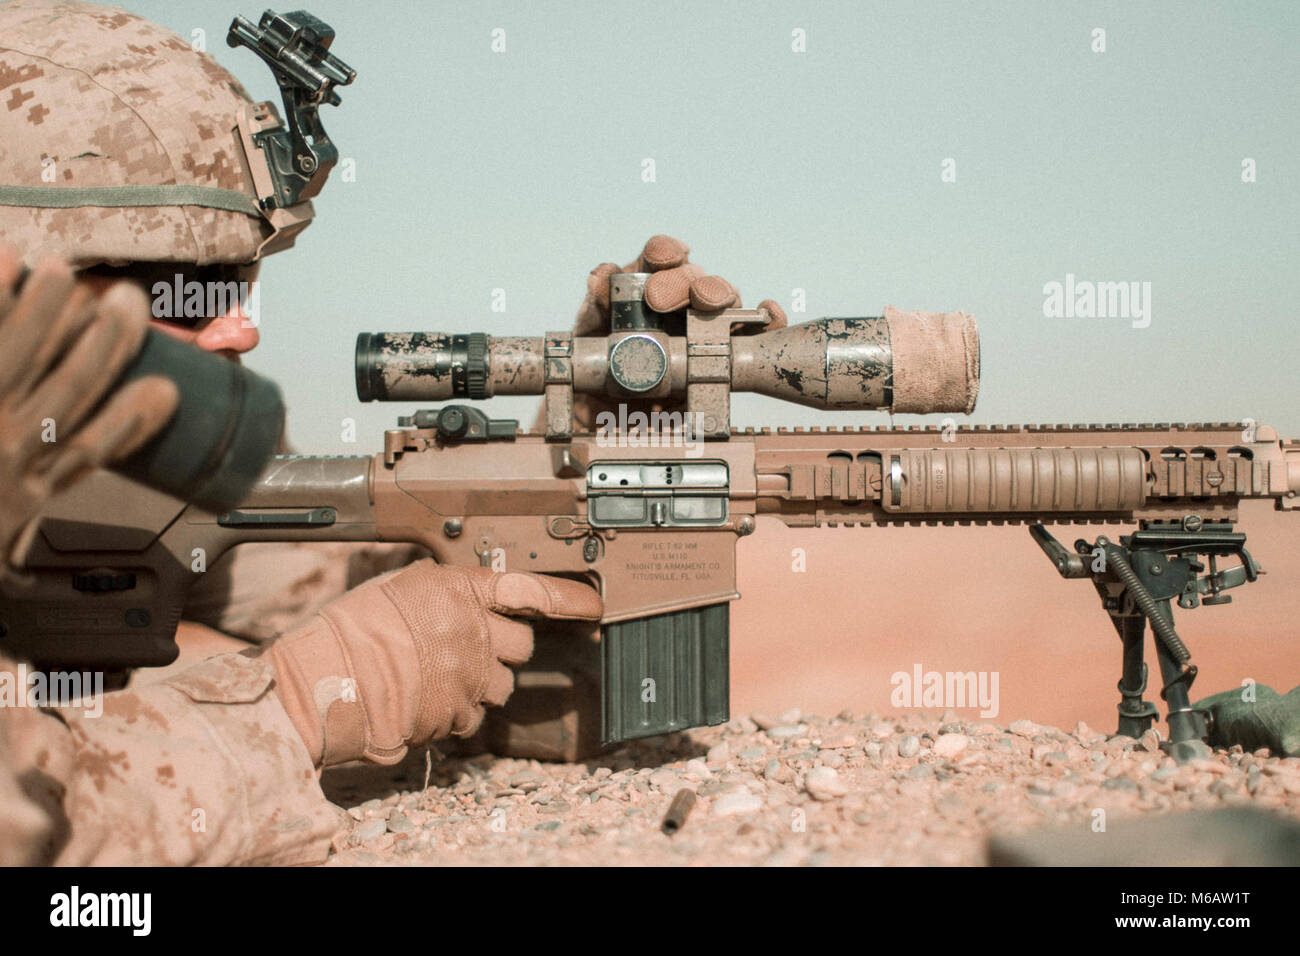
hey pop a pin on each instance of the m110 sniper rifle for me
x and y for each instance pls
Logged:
(653, 524)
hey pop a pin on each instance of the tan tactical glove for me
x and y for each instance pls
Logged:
(675, 284)
(61, 350)
(413, 656)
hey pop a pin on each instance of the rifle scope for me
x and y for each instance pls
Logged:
(903, 361)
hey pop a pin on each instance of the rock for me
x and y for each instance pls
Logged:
(666, 781)
(774, 770)
(1120, 783)
(792, 716)
(736, 802)
(949, 745)
(398, 822)
(764, 721)
(1040, 751)
(875, 755)
(787, 731)
(526, 781)
(838, 742)
(831, 759)
(752, 753)
(718, 755)
(909, 746)
(1222, 788)
(698, 768)
(1151, 740)
(368, 831)
(1118, 743)
(823, 783)
(1254, 779)
(1023, 728)
(920, 771)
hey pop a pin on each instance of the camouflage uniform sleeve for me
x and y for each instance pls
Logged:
(204, 768)
(35, 753)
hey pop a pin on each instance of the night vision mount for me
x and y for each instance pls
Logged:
(296, 48)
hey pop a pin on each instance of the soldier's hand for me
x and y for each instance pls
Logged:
(61, 349)
(414, 655)
(675, 283)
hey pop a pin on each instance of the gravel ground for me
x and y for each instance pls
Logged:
(792, 789)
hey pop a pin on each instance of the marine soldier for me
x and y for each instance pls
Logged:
(121, 160)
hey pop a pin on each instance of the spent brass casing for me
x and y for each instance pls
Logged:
(678, 811)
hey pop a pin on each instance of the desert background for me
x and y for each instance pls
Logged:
(875, 601)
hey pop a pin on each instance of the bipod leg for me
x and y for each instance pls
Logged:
(1135, 714)
(1186, 726)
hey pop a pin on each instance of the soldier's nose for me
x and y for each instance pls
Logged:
(232, 332)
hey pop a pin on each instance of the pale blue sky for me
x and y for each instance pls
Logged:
(819, 170)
